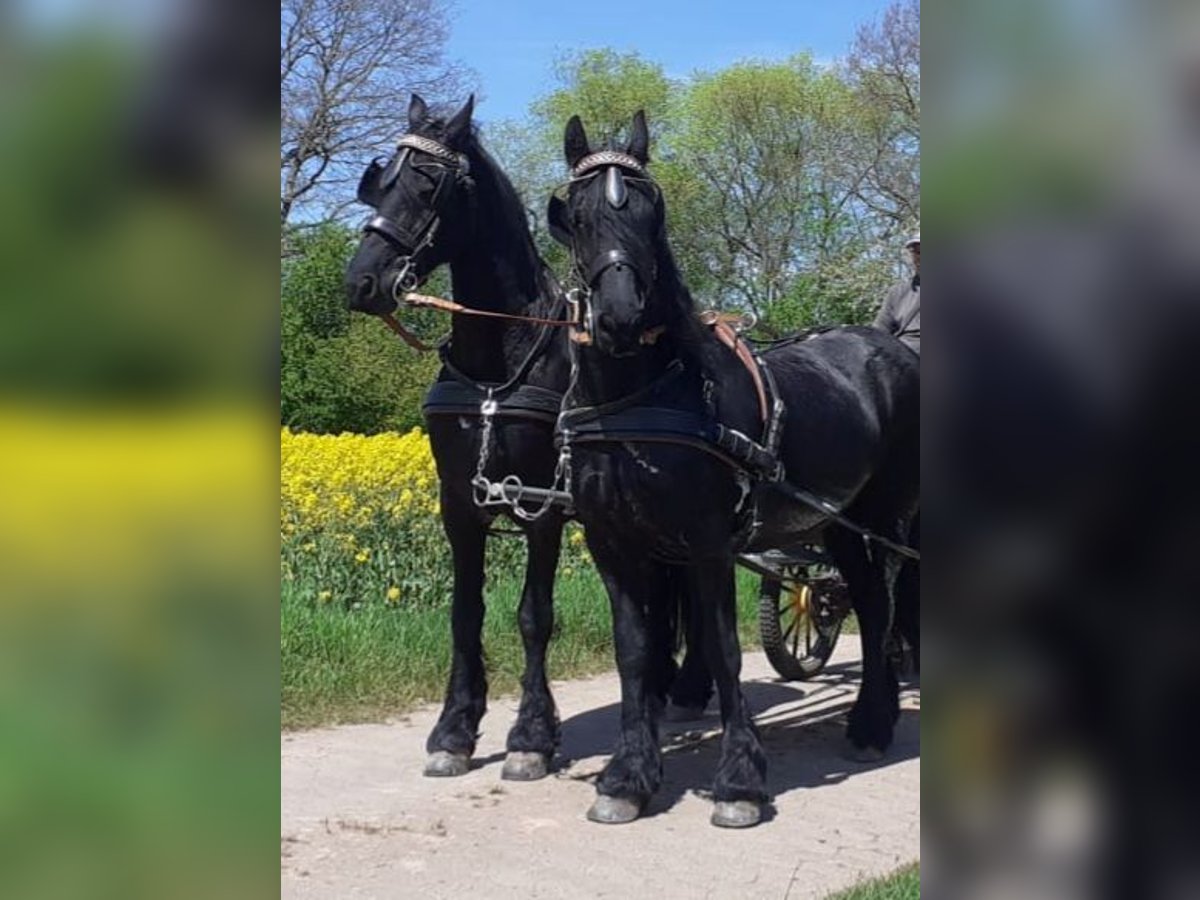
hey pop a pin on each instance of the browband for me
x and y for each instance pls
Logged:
(436, 150)
(608, 158)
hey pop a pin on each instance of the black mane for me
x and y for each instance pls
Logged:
(694, 339)
(502, 226)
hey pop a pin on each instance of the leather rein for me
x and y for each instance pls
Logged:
(427, 301)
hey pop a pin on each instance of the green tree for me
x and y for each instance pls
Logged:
(605, 88)
(772, 216)
(338, 371)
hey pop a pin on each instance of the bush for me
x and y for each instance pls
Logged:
(341, 372)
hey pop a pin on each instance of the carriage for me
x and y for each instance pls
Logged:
(802, 603)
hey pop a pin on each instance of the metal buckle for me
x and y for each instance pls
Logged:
(580, 333)
(405, 282)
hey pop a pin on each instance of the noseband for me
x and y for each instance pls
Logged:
(454, 168)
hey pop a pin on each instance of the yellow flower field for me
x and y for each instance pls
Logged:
(358, 521)
(343, 481)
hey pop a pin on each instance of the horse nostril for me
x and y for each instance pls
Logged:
(366, 286)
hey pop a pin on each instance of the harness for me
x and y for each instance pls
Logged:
(631, 419)
(635, 419)
(512, 400)
(452, 169)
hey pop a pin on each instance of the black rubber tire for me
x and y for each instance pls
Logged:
(794, 655)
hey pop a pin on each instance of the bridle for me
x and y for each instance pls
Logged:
(453, 170)
(586, 273)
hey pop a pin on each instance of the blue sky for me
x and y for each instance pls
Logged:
(512, 45)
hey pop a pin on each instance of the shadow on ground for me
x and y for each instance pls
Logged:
(802, 725)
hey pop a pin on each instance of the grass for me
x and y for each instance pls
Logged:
(366, 664)
(903, 884)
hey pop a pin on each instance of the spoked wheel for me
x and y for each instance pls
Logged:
(799, 622)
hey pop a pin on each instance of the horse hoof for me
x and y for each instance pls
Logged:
(736, 814)
(676, 713)
(444, 764)
(858, 754)
(614, 810)
(523, 766)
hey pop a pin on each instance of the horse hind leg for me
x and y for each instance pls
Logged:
(908, 597)
(663, 622)
(534, 736)
(452, 741)
(873, 717)
(693, 687)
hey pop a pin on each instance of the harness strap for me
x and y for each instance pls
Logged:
(607, 260)
(405, 335)
(658, 425)
(576, 416)
(652, 425)
(384, 226)
(726, 334)
(458, 398)
(451, 306)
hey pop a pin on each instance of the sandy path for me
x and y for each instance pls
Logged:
(359, 820)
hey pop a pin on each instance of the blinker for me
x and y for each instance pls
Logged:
(393, 171)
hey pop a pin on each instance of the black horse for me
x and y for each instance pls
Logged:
(443, 199)
(656, 483)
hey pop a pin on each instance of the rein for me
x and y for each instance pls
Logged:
(579, 334)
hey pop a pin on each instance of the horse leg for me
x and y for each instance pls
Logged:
(877, 708)
(693, 687)
(662, 617)
(534, 736)
(739, 787)
(452, 740)
(635, 770)
(908, 596)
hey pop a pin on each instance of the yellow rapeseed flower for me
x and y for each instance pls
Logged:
(350, 481)
(393, 594)
(362, 556)
(325, 596)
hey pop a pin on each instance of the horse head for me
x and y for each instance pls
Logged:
(420, 196)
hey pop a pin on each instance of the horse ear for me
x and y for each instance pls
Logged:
(575, 142)
(460, 123)
(417, 111)
(639, 138)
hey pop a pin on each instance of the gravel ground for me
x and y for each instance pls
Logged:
(357, 818)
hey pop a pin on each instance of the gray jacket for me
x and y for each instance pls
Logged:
(901, 312)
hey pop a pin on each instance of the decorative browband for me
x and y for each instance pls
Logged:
(434, 149)
(608, 158)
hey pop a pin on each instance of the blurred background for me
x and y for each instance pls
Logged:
(138, 356)
(1062, 199)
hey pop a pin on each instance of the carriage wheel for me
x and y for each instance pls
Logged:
(799, 624)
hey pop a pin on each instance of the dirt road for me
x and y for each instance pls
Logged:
(359, 820)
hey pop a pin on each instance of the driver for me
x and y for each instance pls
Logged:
(900, 313)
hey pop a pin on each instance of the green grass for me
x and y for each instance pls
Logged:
(903, 884)
(365, 664)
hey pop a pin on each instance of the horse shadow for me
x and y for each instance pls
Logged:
(802, 726)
